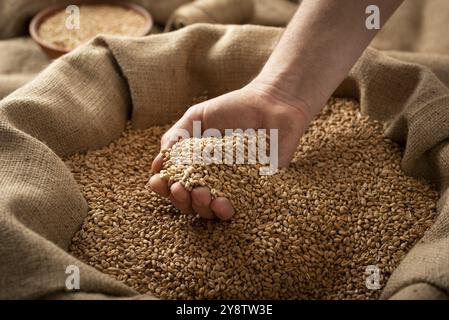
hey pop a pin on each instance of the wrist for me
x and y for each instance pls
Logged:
(279, 92)
(273, 99)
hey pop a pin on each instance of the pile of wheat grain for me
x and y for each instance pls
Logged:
(308, 232)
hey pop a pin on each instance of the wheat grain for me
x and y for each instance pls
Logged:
(308, 232)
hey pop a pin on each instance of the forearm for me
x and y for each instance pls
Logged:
(321, 44)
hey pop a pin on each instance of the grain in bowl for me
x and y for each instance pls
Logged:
(94, 19)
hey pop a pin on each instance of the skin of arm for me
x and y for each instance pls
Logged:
(315, 53)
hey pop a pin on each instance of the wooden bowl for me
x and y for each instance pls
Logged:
(54, 51)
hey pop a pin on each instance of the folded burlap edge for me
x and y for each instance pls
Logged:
(377, 80)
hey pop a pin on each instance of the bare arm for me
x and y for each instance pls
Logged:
(321, 44)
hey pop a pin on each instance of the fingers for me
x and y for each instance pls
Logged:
(201, 199)
(159, 185)
(156, 166)
(222, 208)
(180, 198)
(285, 158)
(182, 129)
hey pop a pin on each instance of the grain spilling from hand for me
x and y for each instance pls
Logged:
(307, 232)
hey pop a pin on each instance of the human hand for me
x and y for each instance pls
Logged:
(254, 106)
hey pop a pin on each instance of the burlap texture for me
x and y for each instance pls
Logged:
(211, 11)
(276, 13)
(20, 60)
(83, 100)
(261, 12)
(15, 56)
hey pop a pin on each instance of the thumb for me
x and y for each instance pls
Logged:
(182, 129)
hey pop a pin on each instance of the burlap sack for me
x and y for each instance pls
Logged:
(83, 100)
(275, 13)
(20, 58)
(261, 12)
(211, 11)
(16, 14)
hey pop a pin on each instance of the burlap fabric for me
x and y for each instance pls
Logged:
(21, 59)
(211, 11)
(260, 12)
(83, 100)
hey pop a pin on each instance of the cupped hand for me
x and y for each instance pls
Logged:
(253, 106)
